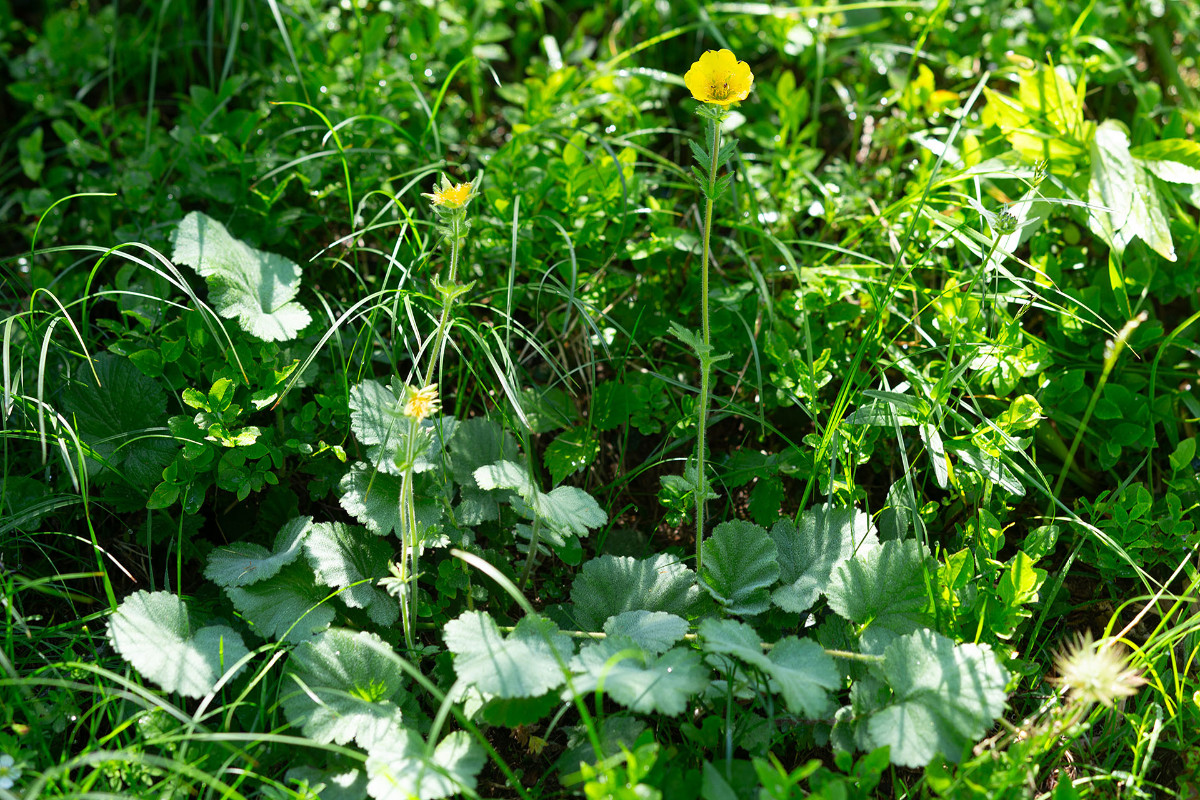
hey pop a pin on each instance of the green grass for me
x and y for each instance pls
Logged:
(953, 281)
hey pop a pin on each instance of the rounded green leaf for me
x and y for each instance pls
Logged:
(153, 632)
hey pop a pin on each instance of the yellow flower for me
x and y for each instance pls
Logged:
(451, 196)
(719, 78)
(421, 402)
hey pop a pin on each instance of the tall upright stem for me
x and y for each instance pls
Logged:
(410, 556)
(705, 364)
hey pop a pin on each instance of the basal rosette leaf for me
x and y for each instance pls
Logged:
(256, 288)
(637, 680)
(808, 554)
(568, 510)
(244, 563)
(288, 606)
(653, 631)
(528, 662)
(112, 416)
(611, 585)
(884, 587)
(741, 562)
(478, 443)
(799, 669)
(343, 685)
(349, 559)
(153, 632)
(945, 696)
(378, 421)
(399, 769)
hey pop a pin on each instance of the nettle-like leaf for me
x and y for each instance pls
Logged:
(884, 587)
(526, 663)
(945, 696)
(289, 606)
(653, 631)
(399, 769)
(478, 443)
(611, 585)
(740, 563)
(346, 558)
(256, 288)
(637, 680)
(111, 417)
(566, 509)
(378, 421)
(244, 563)
(799, 668)
(809, 554)
(344, 685)
(154, 633)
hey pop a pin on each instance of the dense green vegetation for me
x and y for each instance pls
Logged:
(363, 362)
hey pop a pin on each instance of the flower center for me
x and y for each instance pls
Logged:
(719, 90)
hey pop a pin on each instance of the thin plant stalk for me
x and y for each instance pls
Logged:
(449, 202)
(705, 365)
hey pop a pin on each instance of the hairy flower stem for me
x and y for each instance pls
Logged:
(410, 546)
(705, 364)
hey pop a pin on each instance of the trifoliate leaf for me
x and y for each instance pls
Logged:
(398, 768)
(378, 421)
(740, 563)
(153, 632)
(947, 695)
(653, 631)
(527, 663)
(342, 685)
(243, 563)
(255, 287)
(808, 554)
(611, 585)
(112, 418)
(344, 557)
(884, 587)
(639, 681)
(372, 497)
(290, 606)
